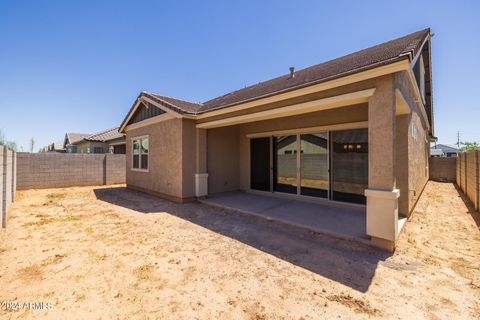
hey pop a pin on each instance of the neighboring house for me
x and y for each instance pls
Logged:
(356, 129)
(107, 141)
(111, 141)
(72, 140)
(444, 150)
(56, 147)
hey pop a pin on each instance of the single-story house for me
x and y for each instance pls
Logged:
(112, 140)
(71, 141)
(56, 147)
(356, 129)
(444, 150)
(107, 141)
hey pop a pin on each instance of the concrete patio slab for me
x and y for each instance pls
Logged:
(334, 219)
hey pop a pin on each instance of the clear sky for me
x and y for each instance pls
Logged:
(77, 66)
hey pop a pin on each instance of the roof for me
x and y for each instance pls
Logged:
(405, 47)
(58, 145)
(106, 135)
(446, 146)
(436, 152)
(76, 137)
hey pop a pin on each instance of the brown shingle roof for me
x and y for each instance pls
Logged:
(178, 105)
(106, 135)
(375, 56)
(404, 47)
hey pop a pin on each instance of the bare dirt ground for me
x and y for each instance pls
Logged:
(108, 253)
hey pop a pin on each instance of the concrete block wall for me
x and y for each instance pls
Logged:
(115, 168)
(468, 176)
(45, 170)
(7, 181)
(443, 169)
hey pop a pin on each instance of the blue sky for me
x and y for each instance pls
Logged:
(77, 66)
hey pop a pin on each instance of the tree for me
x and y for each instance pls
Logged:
(32, 144)
(469, 146)
(10, 144)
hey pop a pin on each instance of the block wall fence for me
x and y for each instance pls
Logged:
(57, 170)
(442, 169)
(8, 167)
(468, 176)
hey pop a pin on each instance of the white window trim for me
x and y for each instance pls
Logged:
(140, 154)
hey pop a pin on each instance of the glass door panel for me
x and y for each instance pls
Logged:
(260, 164)
(314, 179)
(285, 164)
(349, 165)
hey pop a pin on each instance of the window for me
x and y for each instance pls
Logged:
(98, 150)
(140, 153)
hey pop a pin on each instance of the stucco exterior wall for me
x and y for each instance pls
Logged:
(223, 159)
(402, 162)
(382, 136)
(189, 160)
(164, 177)
(418, 145)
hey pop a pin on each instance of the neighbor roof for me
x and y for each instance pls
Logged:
(449, 146)
(405, 47)
(106, 135)
(76, 137)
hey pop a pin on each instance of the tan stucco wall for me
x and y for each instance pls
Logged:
(164, 177)
(189, 161)
(381, 136)
(223, 159)
(402, 168)
(418, 146)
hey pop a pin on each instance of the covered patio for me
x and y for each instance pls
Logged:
(331, 218)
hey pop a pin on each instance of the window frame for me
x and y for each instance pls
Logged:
(140, 138)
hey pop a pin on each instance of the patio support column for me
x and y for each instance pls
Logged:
(201, 175)
(382, 195)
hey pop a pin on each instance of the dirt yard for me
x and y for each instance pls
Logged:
(108, 253)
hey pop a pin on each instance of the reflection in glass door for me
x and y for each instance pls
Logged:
(349, 149)
(331, 165)
(285, 164)
(314, 180)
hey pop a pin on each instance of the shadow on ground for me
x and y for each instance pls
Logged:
(471, 208)
(342, 261)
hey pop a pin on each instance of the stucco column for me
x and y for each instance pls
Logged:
(201, 175)
(382, 195)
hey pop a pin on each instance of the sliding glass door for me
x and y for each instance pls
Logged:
(314, 180)
(349, 174)
(285, 164)
(260, 164)
(331, 165)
